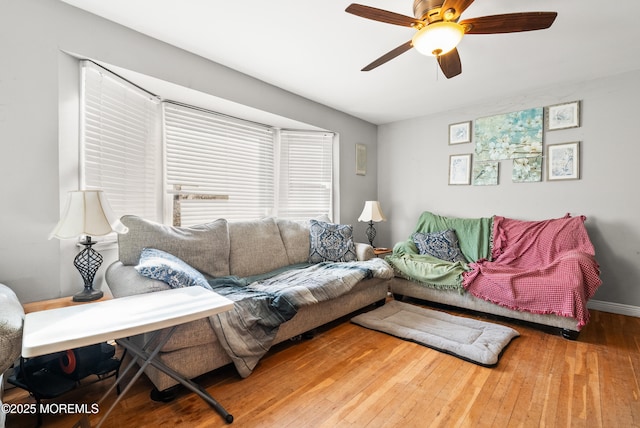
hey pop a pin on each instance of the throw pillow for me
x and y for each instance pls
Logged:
(203, 246)
(165, 267)
(442, 245)
(331, 242)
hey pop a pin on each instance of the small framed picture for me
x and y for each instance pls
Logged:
(563, 116)
(485, 173)
(527, 170)
(460, 133)
(361, 159)
(563, 161)
(460, 169)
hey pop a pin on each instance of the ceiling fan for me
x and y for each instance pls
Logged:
(439, 32)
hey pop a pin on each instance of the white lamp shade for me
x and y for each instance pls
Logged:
(372, 212)
(87, 213)
(438, 38)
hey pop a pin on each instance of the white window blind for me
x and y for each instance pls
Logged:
(217, 166)
(119, 150)
(305, 174)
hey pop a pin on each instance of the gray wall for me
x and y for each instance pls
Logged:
(33, 33)
(413, 177)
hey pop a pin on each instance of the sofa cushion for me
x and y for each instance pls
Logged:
(255, 247)
(442, 245)
(165, 267)
(204, 247)
(295, 237)
(331, 242)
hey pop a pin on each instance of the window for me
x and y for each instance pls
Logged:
(219, 166)
(119, 150)
(223, 167)
(210, 165)
(306, 174)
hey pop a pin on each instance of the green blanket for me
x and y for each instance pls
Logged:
(474, 236)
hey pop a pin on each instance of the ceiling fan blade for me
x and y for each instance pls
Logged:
(509, 23)
(458, 6)
(450, 63)
(381, 15)
(389, 56)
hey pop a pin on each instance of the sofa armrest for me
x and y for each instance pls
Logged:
(364, 251)
(11, 321)
(126, 281)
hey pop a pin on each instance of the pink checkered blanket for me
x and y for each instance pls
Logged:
(544, 267)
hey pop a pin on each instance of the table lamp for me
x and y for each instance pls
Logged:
(372, 213)
(87, 213)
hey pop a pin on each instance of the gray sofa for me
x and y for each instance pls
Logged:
(219, 249)
(541, 271)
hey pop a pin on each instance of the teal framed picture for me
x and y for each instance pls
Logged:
(485, 173)
(509, 136)
(527, 170)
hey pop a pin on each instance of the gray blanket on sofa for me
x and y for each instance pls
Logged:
(263, 303)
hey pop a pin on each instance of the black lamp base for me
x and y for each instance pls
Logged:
(87, 262)
(371, 234)
(88, 295)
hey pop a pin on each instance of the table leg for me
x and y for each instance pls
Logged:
(135, 359)
(142, 353)
(188, 383)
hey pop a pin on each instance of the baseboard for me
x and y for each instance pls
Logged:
(616, 308)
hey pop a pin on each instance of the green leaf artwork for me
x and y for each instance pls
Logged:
(509, 136)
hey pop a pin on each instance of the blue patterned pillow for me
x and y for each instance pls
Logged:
(331, 242)
(165, 267)
(442, 245)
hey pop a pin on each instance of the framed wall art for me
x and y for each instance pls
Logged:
(485, 173)
(508, 136)
(563, 161)
(460, 169)
(527, 170)
(563, 116)
(361, 159)
(460, 133)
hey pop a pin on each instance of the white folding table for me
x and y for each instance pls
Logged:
(56, 330)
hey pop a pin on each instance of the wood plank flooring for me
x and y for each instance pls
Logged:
(348, 376)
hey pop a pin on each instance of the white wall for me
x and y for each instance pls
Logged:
(33, 80)
(413, 176)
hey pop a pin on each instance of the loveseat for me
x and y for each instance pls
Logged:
(233, 255)
(542, 272)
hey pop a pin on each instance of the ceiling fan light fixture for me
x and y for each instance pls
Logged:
(438, 38)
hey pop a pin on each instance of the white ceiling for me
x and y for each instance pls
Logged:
(316, 50)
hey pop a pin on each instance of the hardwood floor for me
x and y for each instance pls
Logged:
(348, 376)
